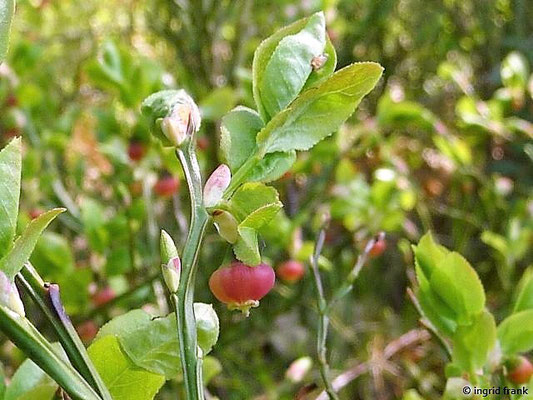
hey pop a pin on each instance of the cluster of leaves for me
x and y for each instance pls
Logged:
(299, 103)
(452, 299)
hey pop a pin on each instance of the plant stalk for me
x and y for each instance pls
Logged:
(40, 351)
(183, 299)
(323, 320)
(49, 302)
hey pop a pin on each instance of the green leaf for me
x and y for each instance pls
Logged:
(247, 248)
(237, 135)
(152, 342)
(263, 54)
(320, 110)
(524, 300)
(161, 104)
(24, 245)
(250, 197)
(10, 173)
(516, 333)
(473, 343)
(262, 216)
(7, 9)
(254, 205)
(428, 255)
(207, 326)
(457, 284)
(30, 383)
(124, 379)
(272, 167)
(436, 311)
(290, 65)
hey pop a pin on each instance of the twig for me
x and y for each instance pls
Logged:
(406, 340)
(183, 298)
(347, 286)
(47, 298)
(430, 327)
(323, 320)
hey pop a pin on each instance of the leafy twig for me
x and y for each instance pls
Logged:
(323, 320)
(347, 286)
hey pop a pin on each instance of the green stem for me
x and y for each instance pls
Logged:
(40, 351)
(47, 299)
(347, 286)
(323, 320)
(184, 298)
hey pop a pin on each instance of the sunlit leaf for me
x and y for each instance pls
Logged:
(24, 245)
(320, 110)
(122, 377)
(10, 173)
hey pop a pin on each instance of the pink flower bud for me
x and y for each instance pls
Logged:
(216, 184)
(298, 369)
(171, 274)
(183, 121)
(9, 295)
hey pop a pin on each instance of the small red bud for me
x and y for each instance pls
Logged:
(240, 286)
(379, 245)
(35, 213)
(291, 271)
(203, 143)
(87, 330)
(520, 371)
(103, 296)
(136, 150)
(166, 186)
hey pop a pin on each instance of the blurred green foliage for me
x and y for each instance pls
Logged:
(444, 144)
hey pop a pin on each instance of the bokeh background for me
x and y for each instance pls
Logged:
(444, 143)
